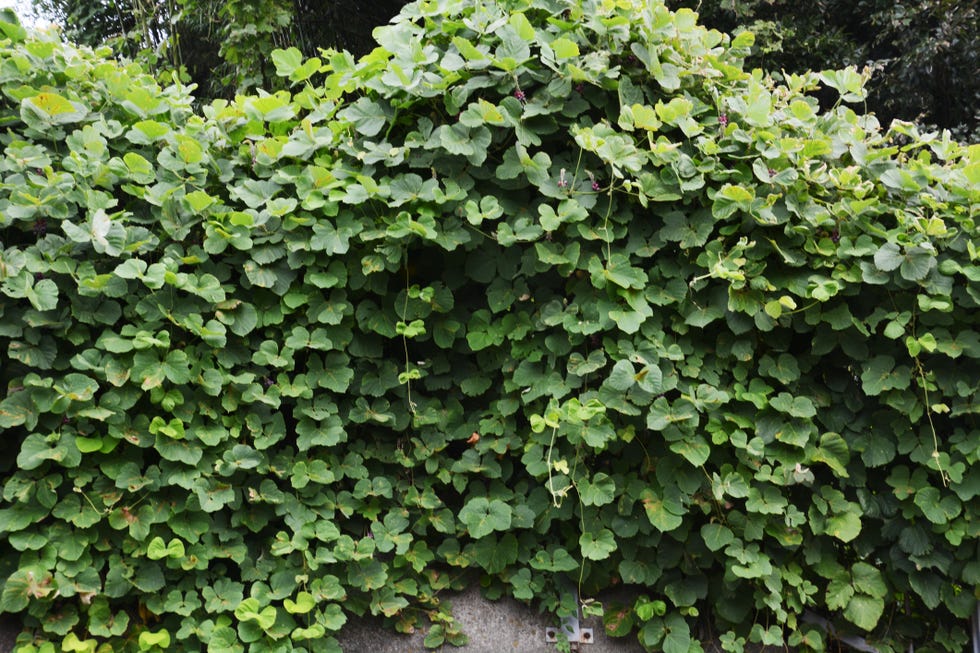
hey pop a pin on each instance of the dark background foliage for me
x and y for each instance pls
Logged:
(223, 45)
(923, 53)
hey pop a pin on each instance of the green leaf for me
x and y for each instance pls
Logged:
(496, 555)
(224, 596)
(564, 48)
(664, 514)
(367, 575)
(622, 376)
(49, 108)
(730, 199)
(71, 642)
(598, 491)
(149, 640)
(37, 449)
(675, 110)
(224, 639)
(881, 373)
(796, 406)
(845, 527)
(833, 452)
(678, 637)
(44, 295)
(558, 560)
(23, 585)
(157, 549)
(367, 117)
(304, 603)
(435, 637)
(743, 39)
(597, 545)
(250, 610)
(523, 26)
(864, 611)
(647, 609)
(10, 25)
(619, 271)
(868, 580)
(848, 82)
(888, 257)
(917, 263)
(645, 117)
(694, 449)
(937, 508)
(287, 61)
(716, 536)
(17, 409)
(483, 516)
(467, 49)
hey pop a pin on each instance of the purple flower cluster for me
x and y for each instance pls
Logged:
(595, 184)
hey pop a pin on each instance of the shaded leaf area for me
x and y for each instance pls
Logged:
(523, 297)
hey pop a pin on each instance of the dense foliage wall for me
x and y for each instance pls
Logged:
(534, 294)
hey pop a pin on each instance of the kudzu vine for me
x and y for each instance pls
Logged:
(536, 292)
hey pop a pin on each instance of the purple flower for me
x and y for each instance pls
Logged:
(519, 94)
(595, 184)
(723, 120)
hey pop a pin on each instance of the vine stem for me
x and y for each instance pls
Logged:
(551, 486)
(932, 427)
(928, 406)
(408, 381)
(605, 221)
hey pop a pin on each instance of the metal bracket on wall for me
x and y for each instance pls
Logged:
(570, 628)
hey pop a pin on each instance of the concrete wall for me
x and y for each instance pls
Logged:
(504, 626)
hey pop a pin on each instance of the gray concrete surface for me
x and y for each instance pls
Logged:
(9, 627)
(503, 626)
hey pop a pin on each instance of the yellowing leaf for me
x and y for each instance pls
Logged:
(564, 48)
